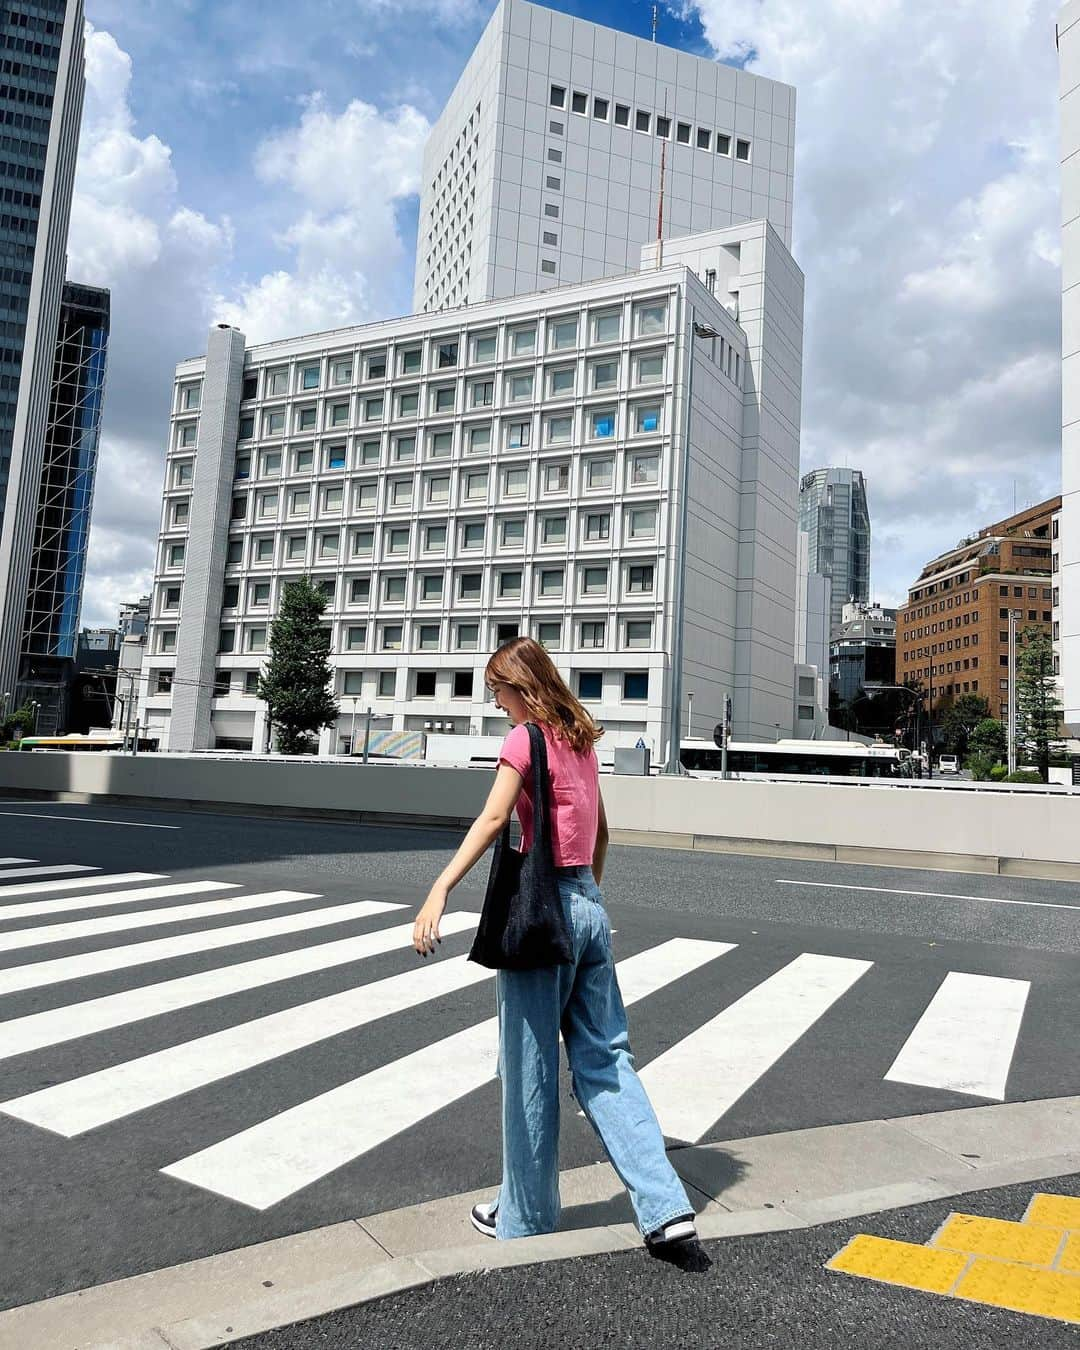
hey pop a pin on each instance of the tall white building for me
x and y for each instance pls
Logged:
(41, 95)
(604, 456)
(545, 166)
(1067, 616)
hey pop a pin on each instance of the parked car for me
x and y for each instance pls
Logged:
(948, 764)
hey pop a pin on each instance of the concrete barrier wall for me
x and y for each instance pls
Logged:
(1034, 834)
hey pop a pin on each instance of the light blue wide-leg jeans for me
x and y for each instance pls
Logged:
(583, 1001)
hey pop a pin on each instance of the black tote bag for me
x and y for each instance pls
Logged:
(522, 925)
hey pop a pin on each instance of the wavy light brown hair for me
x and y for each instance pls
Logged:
(526, 667)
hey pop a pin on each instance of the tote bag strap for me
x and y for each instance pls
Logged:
(540, 793)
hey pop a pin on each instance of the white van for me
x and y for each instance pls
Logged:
(948, 764)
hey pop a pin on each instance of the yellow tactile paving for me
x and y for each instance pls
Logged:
(1069, 1260)
(1055, 1211)
(905, 1263)
(1046, 1293)
(1022, 1242)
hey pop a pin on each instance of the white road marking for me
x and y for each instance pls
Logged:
(930, 895)
(33, 909)
(702, 1076)
(19, 938)
(49, 871)
(268, 1162)
(82, 1104)
(41, 973)
(10, 862)
(19, 1035)
(79, 883)
(965, 1039)
(90, 820)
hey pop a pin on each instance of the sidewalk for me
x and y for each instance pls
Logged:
(769, 1184)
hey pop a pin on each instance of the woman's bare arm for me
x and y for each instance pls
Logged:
(484, 830)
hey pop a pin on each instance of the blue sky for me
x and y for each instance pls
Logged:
(259, 163)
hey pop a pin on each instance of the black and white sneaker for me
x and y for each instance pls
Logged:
(674, 1232)
(483, 1218)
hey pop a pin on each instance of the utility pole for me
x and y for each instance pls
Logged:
(367, 732)
(1011, 724)
(930, 722)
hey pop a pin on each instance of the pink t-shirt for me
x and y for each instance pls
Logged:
(575, 794)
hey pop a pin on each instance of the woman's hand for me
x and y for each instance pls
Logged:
(426, 927)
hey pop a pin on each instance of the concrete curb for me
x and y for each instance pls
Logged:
(768, 1184)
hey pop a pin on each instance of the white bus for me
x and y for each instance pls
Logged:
(849, 759)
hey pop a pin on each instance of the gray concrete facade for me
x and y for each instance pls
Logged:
(211, 501)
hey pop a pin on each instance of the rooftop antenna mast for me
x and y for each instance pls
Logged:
(655, 20)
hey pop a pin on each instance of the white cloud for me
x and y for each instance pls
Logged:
(351, 171)
(926, 220)
(158, 257)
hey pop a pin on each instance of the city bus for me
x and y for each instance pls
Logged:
(96, 740)
(845, 759)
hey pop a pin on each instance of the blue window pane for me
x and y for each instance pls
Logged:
(649, 421)
(311, 378)
(636, 685)
(604, 426)
(337, 459)
(590, 684)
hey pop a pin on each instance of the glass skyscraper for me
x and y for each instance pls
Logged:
(41, 95)
(834, 513)
(58, 562)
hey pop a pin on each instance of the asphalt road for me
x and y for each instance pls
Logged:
(771, 1290)
(80, 1210)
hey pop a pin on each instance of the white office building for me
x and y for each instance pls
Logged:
(1067, 614)
(545, 166)
(603, 456)
(598, 467)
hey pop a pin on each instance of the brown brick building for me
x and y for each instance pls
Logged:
(953, 633)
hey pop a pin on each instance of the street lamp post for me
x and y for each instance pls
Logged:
(1011, 714)
(690, 713)
(352, 731)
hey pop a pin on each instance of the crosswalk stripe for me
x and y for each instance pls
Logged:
(35, 909)
(49, 871)
(79, 883)
(965, 1039)
(701, 1077)
(268, 1162)
(35, 1031)
(19, 938)
(82, 1104)
(11, 862)
(40, 973)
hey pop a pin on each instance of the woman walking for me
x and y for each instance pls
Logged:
(579, 998)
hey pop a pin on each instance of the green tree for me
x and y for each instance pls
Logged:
(960, 720)
(989, 740)
(295, 682)
(1038, 708)
(19, 723)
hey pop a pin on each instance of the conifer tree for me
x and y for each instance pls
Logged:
(295, 682)
(1038, 708)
